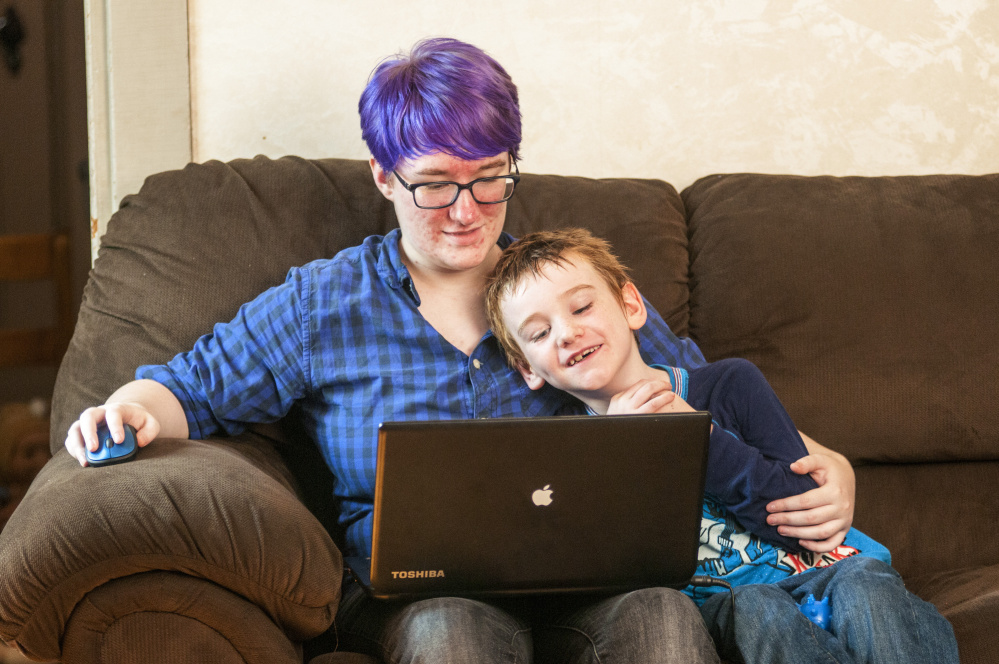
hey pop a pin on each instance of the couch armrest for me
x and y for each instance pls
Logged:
(220, 510)
(175, 618)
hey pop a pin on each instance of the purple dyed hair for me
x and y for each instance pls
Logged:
(445, 96)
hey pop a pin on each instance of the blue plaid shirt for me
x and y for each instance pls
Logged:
(344, 338)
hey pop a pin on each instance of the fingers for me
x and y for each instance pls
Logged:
(82, 435)
(808, 464)
(115, 421)
(655, 403)
(819, 518)
(817, 533)
(75, 443)
(648, 396)
(824, 535)
(811, 516)
(147, 431)
(118, 414)
(646, 390)
(823, 546)
(89, 420)
(789, 505)
(824, 496)
(645, 396)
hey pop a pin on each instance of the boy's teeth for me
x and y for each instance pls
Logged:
(577, 358)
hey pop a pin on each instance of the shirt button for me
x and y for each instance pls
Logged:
(476, 363)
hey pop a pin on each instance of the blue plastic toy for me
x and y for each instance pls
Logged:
(817, 612)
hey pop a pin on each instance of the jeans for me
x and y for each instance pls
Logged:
(651, 625)
(874, 619)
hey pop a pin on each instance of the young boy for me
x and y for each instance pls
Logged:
(564, 311)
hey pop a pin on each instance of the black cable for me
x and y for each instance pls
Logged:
(703, 581)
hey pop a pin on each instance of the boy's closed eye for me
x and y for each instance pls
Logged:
(538, 336)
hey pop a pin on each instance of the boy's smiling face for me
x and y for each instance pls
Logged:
(575, 332)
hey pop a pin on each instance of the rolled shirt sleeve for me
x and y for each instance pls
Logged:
(251, 369)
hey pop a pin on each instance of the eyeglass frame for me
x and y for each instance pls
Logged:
(411, 188)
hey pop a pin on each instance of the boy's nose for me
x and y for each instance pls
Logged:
(568, 334)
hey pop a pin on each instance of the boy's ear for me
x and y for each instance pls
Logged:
(634, 306)
(533, 380)
(384, 180)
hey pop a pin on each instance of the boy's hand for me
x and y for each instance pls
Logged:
(647, 396)
(820, 518)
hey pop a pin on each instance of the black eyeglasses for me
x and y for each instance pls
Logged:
(487, 191)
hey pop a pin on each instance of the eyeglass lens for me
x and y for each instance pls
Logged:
(493, 190)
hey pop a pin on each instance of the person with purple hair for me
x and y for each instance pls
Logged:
(396, 329)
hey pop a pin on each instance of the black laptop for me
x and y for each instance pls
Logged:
(536, 505)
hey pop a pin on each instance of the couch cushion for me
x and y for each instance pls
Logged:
(869, 303)
(931, 516)
(969, 599)
(642, 219)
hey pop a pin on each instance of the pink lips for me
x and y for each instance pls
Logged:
(465, 237)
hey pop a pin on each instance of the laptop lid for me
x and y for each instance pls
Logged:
(531, 505)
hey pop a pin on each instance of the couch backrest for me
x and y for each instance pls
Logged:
(194, 244)
(871, 304)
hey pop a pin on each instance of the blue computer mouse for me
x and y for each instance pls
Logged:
(110, 452)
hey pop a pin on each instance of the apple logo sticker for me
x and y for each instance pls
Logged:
(542, 497)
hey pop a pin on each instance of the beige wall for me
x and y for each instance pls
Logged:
(674, 90)
(138, 98)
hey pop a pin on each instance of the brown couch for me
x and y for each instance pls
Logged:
(871, 304)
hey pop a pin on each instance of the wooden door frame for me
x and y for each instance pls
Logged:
(138, 98)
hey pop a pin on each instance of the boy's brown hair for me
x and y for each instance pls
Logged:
(529, 255)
